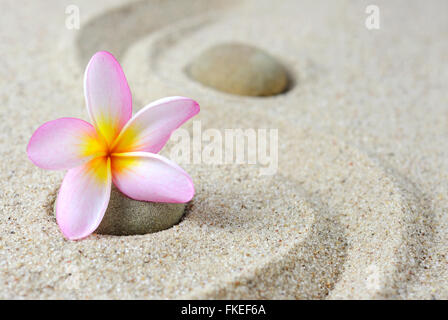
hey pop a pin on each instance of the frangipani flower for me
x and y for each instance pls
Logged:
(116, 148)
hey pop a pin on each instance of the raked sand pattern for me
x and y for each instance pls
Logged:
(358, 207)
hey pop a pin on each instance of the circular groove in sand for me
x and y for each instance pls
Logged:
(136, 20)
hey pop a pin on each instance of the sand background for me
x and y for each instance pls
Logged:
(358, 208)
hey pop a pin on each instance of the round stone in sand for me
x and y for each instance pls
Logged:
(125, 216)
(239, 69)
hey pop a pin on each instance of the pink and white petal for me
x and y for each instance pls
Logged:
(107, 94)
(151, 127)
(150, 177)
(63, 144)
(83, 198)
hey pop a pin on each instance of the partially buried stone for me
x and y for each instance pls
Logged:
(125, 216)
(239, 69)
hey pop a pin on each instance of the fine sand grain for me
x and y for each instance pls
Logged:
(358, 207)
